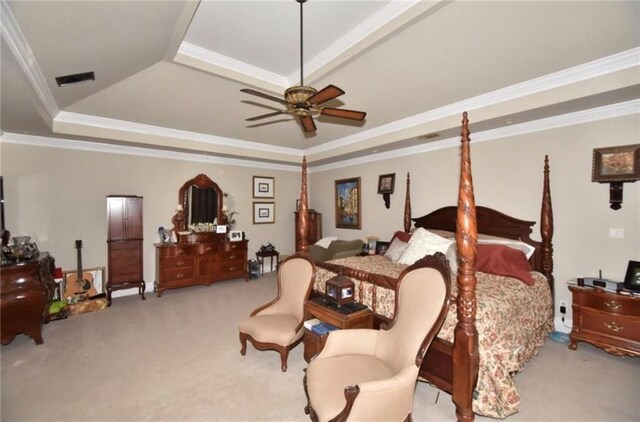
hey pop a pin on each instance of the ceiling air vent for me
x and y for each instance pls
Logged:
(78, 78)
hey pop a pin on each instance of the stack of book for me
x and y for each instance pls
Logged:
(321, 328)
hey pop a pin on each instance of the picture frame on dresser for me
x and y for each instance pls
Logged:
(632, 278)
(235, 235)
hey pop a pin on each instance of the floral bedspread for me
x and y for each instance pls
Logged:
(513, 320)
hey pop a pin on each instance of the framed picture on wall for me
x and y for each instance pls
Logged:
(347, 203)
(263, 187)
(264, 212)
(616, 164)
(386, 183)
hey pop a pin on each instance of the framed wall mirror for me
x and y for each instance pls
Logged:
(201, 199)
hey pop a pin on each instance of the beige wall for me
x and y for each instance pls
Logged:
(58, 195)
(508, 176)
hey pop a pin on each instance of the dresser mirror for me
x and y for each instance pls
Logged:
(201, 200)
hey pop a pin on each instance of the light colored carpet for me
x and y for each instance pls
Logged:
(177, 358)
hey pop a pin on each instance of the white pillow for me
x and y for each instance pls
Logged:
(526, 249)
(395, 249)
(326, 241)
(423, 242)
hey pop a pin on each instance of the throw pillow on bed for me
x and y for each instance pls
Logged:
(422, 243)
(503, 260)
(395, 249)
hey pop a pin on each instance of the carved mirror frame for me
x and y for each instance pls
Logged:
(200, 181)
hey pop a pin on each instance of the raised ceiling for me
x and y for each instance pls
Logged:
(169, 73)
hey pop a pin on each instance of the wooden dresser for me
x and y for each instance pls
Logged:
(27, 290)
(607, 320)
(315, 228)
(205, 260)
(124, 244)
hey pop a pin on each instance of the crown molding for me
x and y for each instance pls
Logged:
(209, 61)
(19, 46)
(594, 69)
(570, 119)
(150, 130)
(41, 141)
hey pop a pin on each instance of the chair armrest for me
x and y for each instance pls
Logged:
(358, 341)
(389, 399)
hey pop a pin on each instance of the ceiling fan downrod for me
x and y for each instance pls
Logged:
(301, 44)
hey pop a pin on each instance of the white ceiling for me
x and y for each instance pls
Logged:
(169, 73)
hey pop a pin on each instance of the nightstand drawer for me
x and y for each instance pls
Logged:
(611, 325)
(611, 303)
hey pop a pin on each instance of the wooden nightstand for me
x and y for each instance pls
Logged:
(317, 308)
(608, 320)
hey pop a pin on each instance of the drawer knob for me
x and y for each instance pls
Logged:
(180, 262)
(208, 248)
(612, 304)
(180, 251)
(232, 257)
(180, 275)
(232, 268)
(613, 326)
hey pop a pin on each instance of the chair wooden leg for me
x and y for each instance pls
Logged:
(243, 342)
(284, 355)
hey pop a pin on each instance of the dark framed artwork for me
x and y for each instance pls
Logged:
(632, 278)
(347, 203)
(263, 187)
(616, 164)
(264, 212)
(386, 183)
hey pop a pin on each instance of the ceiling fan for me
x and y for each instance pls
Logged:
(305, 101)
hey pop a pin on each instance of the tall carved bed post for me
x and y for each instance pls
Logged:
(303, 213)
(465, 354)
(407, 207)
(546, 227)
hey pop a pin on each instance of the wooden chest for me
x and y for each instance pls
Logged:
(607, 320)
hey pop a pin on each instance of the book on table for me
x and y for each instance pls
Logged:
(323, 328)
(310, 323)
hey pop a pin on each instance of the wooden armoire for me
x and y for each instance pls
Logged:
(315, 228)
(124, 244)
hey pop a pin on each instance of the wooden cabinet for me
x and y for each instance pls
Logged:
(315, 228)
(27, 290)
(315, 308)
(608, 320)
(124, 244)
(203, 262)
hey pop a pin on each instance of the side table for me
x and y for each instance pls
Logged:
(260, 256)
(608, 320)
(362, 317)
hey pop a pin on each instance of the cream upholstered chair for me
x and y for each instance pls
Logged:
(277, 325)
(370, 375)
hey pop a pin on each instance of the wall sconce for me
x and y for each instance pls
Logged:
(616, 165)
(386, 183)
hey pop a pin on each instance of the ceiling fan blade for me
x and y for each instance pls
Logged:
(344, 113)
(264, 116)
(307, 124)
(325, 94)
(266, 96)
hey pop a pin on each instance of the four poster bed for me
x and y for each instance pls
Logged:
(497, 322)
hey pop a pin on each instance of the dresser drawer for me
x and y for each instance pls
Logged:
(179, 262)
(135, 276)
(611, 325)
(233, 256)
(234, 246)
(178, 274)
(133, 268)
(237, 267)
(207, 248)
(607, 302)
(125, 245)
(176, 251)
